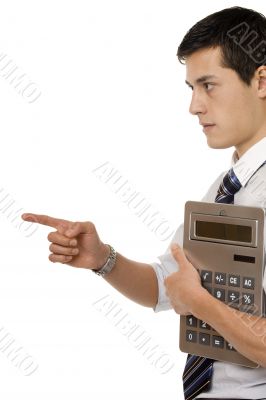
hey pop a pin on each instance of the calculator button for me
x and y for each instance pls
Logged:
(220, 278)
(191, 336)
(234, 305)
(233, 297)
(206, 276)
(219, 294)
(248, 299)
(234, 280)
(229, 346)
(248, 309)
(208, 288)
(248, 283)
(204, 338)
(191, 320)
(204, 325)
(218, 341)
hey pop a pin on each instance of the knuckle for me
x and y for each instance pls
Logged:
(51, 257)
(50, 236)
(75, 225)
(67, 258)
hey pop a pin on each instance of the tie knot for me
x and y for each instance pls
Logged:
(228, 188)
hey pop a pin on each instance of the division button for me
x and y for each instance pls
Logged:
(233, 297)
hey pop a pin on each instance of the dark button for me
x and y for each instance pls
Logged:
(219, 294)
(234, 305)
(234, 280)
(208, 288)
(230, 347)
(248, 309)
(248, 283)
(191, 336)
(233, 297)
(204, 325)
(220, 278)
(206, 276)
(248, 299)
(191, 320)
(204, 338)
(218, 341)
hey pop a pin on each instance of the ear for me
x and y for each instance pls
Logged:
(260, 76)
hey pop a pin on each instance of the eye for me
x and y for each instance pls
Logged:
(208, 86)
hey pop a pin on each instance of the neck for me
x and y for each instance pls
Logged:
(241, 148)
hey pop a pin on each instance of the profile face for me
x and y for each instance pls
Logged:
(233, 110)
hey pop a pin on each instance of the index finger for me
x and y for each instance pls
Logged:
(46, 220)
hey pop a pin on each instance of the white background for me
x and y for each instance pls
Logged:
(112, 91)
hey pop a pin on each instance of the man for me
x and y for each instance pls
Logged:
(225, 61)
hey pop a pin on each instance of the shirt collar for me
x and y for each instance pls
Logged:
(246, 166)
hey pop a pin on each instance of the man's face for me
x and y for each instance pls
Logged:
(221, 99)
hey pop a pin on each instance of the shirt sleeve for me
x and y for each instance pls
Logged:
(164, 267)
(166, 263)
(264, 277)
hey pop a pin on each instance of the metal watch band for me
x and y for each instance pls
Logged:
(109, 265)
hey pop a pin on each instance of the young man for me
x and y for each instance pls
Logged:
(225, 61)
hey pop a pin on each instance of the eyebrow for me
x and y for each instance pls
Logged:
(203, 79)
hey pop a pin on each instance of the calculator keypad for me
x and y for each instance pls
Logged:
(239, 294)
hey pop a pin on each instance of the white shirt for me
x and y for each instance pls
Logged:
(229, 380)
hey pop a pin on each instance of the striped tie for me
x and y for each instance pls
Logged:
(198, 370)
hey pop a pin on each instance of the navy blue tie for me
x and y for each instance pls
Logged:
(198, 370)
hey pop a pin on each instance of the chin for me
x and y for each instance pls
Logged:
(215, 144)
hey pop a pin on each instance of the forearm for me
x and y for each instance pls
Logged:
(135, 280)
(245, 332)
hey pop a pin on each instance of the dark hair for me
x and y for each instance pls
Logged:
(239, 32)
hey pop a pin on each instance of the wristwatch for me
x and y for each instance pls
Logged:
(109, 265)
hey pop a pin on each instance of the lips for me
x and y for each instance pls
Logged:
(205, 124)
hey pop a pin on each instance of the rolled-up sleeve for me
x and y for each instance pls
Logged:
(264, 277)
(165, 266)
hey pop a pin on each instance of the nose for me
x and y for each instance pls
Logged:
(197, 105)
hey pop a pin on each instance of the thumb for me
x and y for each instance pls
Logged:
(80, 227)
(178, 254)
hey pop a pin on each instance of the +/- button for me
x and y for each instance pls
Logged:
(220, 278)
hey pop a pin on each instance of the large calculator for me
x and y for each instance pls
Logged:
(225, 242)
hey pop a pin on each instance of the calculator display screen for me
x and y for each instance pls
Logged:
(230, 232)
